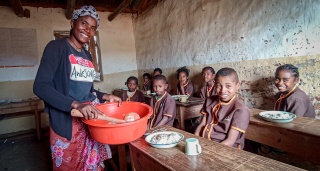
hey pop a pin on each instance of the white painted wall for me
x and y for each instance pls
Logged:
(188, 32)
(116, 39)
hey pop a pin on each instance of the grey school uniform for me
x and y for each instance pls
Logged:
(165, 106)
(188, 89)
(207, 91)
(136, 97)
(231, 115)
(296, 102)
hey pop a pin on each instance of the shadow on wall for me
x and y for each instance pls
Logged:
(172, 81)
(198, 83)
(258, 94)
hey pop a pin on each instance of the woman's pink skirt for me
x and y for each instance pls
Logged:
(81, 153)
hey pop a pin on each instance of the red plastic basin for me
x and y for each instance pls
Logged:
(104, 132)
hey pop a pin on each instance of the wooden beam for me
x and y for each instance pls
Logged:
(70, 7)
(119, 9)
(18, 10)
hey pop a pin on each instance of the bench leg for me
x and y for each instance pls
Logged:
(38, 124)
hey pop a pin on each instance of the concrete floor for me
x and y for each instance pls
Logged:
(26, 154)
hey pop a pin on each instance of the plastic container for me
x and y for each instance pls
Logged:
(104, 132)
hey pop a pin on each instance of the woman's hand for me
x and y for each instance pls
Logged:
(112, 98)
(87, 110)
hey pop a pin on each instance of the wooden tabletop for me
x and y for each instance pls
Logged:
(191, 101)
(214, 156)
(301, 137)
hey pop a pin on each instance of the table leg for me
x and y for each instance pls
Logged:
(122, 157)
(38, 123)
(180, 117)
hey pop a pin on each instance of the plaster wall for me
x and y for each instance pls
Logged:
(253, 37)
(117, 46)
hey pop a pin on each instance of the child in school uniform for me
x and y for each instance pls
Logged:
(184, 87)
(157, 71)
(164, 106)
(290, 97)
(132, 94)
(147, 82)
(225, 117)
(208, 75)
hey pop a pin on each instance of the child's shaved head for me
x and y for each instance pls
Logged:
(223, 72)
(160, 77)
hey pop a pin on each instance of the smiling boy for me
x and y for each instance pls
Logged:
(226, 118)
(164, 106)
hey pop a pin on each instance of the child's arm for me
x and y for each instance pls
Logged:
(201, 125)
(239, 124)
(231, 137)
(299, 107)
(163, 121)
(182, 89)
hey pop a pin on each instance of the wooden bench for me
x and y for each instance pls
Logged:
(24, 108)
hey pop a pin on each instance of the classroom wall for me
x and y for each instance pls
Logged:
(251, 36)
(117, 50)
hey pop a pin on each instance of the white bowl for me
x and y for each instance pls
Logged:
(149, 137)
(177, 97)
(277, 116)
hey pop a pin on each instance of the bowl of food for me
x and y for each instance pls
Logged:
(277, 116)
(165, 139)
(178, 97)
(136, 114)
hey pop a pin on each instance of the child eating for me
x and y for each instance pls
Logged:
(164, 106)
(184, 87)
(291, 98)
(146, 82)
(208, 75)
(132, 94)
(226, 117)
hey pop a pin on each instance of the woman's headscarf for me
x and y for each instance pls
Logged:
(84, 11)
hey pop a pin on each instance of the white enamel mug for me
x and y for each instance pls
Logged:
(192, 147)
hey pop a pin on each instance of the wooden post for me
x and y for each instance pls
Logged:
(70, 8)
(119, 9)
(18, 10)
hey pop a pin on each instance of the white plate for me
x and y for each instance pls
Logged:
(277, 116)
(149, 137)
(177, 97)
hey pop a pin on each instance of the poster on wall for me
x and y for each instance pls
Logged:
(18, 47)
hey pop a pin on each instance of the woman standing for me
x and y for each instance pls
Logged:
(64, 81)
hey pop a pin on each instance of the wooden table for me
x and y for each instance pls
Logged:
(188, 110)
(22, 108)
(301, 137)
(214, 156)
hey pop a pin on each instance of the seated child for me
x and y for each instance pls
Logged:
(291, 98)
(157, 71)
(208, 75)
(184, 87)
(225, 117)
(147, 82)
(164, 106)
(132, 94)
